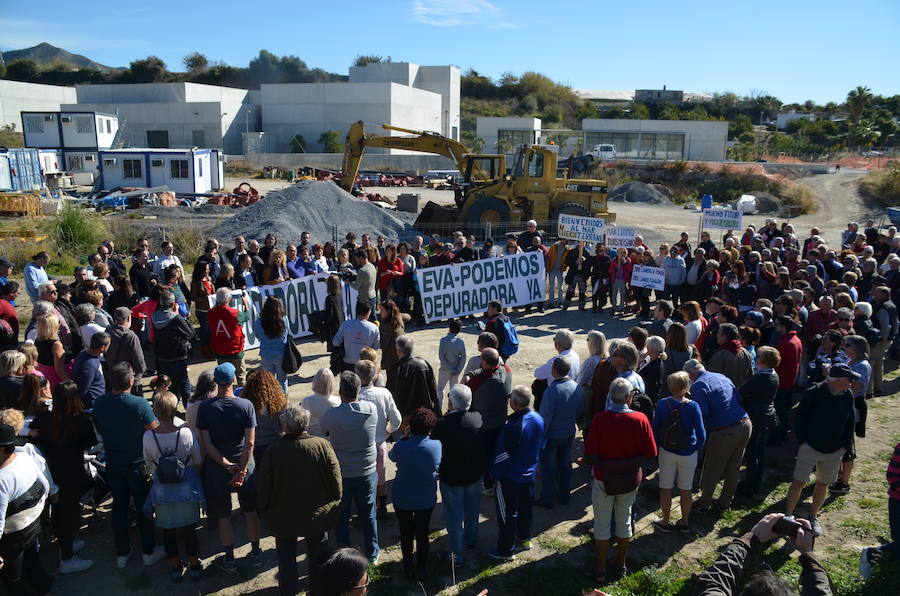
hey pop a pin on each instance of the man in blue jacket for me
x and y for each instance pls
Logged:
(560, 408)
(513, 468)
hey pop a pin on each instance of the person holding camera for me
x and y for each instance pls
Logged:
(723, 577)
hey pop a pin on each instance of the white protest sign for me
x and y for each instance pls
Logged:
(461, 289)
(585, 229)
(648, 277)
(300, 297)
(722, 219)
(617, 237)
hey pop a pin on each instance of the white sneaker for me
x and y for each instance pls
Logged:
(122, 560)
(157, 554)
(74, 565)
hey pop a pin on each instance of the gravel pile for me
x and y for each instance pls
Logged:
(314, 207)
(640, 192)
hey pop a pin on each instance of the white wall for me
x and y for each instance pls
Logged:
(311, 109)
(487, 128)
(107, 126)
(16, 97)
(443, 80)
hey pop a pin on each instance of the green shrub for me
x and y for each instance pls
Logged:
(883, 185)
(76, 231)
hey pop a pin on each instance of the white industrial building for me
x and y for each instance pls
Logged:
(695, 140)
(181, 170)
(75, 136)
(397, 93)
(505, 134)
(16, 97)
(175, 115)
(784, 118)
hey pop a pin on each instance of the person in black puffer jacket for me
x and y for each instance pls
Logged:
(758, 399)
(173, 336)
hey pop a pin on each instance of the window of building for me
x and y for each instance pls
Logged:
(509, 140)
(198, 138)
(34, 124)
(178, 168)
(109, 125)
(200, 168)
(636, 145)
(158, 139)
(131, 168)
(76, 163)
(84, 124)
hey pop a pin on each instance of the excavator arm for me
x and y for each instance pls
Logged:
(423, 142)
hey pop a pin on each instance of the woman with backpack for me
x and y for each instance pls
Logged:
(172, 456)
(679, 431)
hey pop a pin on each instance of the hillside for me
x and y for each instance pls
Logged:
(45, 55)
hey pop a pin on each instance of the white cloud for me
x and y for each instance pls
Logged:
(453, 13)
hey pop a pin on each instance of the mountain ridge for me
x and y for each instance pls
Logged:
(45, 54)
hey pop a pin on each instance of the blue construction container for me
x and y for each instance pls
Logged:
(20, 169)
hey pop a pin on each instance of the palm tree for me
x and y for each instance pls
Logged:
(857, 101)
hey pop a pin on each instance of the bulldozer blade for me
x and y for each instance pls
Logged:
(435, 219)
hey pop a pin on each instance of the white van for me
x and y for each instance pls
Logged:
(604, 151)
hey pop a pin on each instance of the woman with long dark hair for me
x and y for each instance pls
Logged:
(122, 295)
(392, 327)
(390, 269)
(201, 289)
(268, 247)
(271, 329)
(63, 435)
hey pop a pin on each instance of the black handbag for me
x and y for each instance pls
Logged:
(291, 360)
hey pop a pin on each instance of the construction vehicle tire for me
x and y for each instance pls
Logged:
(569, 209)
(488, 209)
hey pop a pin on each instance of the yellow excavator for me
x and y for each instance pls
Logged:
(486, 193)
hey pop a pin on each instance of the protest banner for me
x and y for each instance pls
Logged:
(585, 229)
(648, 277)
(617, 237)
(722, 219)
(300, 297)
(460, 289)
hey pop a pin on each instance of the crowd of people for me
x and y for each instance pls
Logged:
(758, 341)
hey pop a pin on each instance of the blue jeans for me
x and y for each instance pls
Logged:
(126, 484)
(461, 505)
(556, 471)
(177, 371)
(273, 365)
(361, 491)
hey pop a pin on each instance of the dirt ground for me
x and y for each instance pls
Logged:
(560, 544)
(659, 564)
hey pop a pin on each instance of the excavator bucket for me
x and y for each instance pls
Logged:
(435, 219)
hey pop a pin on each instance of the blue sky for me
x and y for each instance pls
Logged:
(796, 50)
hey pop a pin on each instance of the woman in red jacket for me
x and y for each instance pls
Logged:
(390, 268)
(620, 279)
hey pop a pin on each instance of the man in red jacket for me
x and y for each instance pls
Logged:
(618, 441)
(791, 348)
(226, 336)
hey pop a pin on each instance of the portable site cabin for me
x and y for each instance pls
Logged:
(76, 135)
(182, 170)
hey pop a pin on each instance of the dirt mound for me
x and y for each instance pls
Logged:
(317, 208)
(640, 192)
